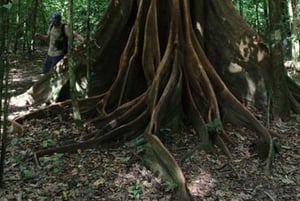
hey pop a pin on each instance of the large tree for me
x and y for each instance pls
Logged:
(159, 63)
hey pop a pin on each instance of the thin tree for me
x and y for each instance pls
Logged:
(5, 6)
(35, 5)
(292, 4)
(18, 25)
(279, 89)
(88, 52)
(71, 65)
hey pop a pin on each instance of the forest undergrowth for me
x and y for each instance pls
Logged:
(115, 171)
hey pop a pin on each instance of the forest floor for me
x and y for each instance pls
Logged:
(115, 172)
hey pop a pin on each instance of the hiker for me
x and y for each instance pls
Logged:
(57, 37)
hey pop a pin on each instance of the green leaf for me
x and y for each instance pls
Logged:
(65, 195)
(125, 159)
(296, 117)
(136, 142)
(135, 191)
(165, 130)
(7, 6)
(169, 185)
(214, 125)
(28, 173)
(43, 198)
(58, 155)
(14, 141)
(45, 144)
(48, 142)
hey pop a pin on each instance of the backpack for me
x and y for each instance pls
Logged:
(62, 42)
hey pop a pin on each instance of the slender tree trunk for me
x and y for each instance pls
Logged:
(241, 7)
(71, 65)
(25, 27)
(2, 22)
(292, 4)
(257, 21)
(3, 88)
(18, 26)
(4, 117)
(286, 30)
(281, 105)
(2, 55)
(88, 60)
(35, 10)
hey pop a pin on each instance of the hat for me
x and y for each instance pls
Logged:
(55, 17)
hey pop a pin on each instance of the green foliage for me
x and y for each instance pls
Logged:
(215, 125)
(55, 161)
(8, 6)
(169, 186)
(65, 195)
(254, 13)
(135, 191)
(296, 117)
(26, 172)
(43, 198)
(80, 9)
(124, 159)
(137, 144)
(165, 131)
(26, 17)
(48, 142)
(14, 141)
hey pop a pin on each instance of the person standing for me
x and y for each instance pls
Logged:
(57, 38)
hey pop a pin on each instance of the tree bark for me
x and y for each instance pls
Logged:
(281, 105)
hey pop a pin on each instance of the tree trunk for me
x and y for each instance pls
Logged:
(281, 105)
(4, 97)
(292, 4)
(72, 76)
(156, 63)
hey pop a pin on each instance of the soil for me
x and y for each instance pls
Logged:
(115, 171)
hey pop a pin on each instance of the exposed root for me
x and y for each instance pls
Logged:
(15, 127)
(59, 108)
(169, 166)
(247, 119)
(107, 133)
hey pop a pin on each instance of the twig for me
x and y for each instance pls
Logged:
(36, 161)
(231, 167)
(268, 194)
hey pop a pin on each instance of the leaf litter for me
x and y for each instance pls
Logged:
(113, 172)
